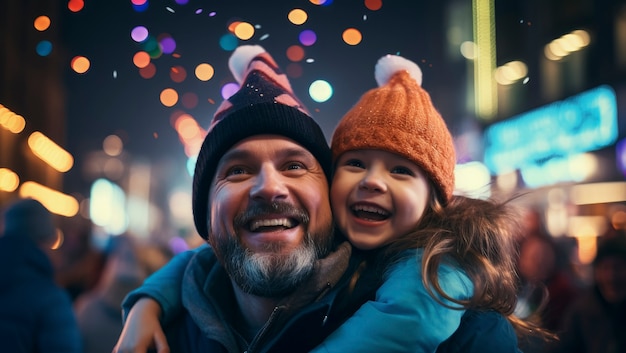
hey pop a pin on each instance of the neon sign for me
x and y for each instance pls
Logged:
(582, 123)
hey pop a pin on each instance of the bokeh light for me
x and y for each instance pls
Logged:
(167, 43)
(307, 37)
(141, 6)
(295, 53)
(44, 48)
(112, 145)
(352, 36)
(294, 70)
(190, 100)
(320, 91)
(148, 71)
(297, 16)
(204, 72)
(152, 46)
(9, 180)
(178, 74)
(139, 34)
(141, 59)
(42, 23)
(80, 64)
(244, 30)
(373, 5)
(169, 97)
(229, 42)
(229, 89)
(75, 5)
(182, 2)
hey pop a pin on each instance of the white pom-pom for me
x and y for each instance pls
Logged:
(241, 57)
(390, 64)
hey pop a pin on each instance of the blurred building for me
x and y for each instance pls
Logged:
(32, 99)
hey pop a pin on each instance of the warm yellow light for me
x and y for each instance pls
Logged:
(511, 72)
(352, 36)
(596, 193)
(113, 145)
(566, 44)
(42, 23)
(187, 127)
(468, 50)
(49, 152)
(9, 120)
(169, 97)
(204, 72)
(587, 249)
(59, 241)
(80, 64)
(55, 201)
(244, 30)
(485, 91)
(297, 16)
(9, 180)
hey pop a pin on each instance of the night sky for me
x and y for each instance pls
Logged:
(113, 98)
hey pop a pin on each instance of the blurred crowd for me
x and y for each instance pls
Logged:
(588, 313)
(35, 267)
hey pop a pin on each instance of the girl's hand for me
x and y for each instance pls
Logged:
(142, 330)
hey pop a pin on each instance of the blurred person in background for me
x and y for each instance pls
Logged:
(596, 322)
(35, 313)
(548, 285)
(78, 262)
(129, 262)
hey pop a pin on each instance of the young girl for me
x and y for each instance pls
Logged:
(434, 255)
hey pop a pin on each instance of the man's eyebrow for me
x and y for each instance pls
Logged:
(289, 152)
(295, 152)
(234, 154)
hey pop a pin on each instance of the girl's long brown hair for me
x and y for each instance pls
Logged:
(480, 237)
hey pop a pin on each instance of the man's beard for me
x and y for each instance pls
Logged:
(272, 273)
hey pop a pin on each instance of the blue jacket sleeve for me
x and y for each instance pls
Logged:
(482, 332)
(404, 317)
(164, 286)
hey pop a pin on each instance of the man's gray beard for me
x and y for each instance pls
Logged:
(272, 274)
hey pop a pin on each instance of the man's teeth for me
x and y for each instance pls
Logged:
(370, 209)
(277, 222)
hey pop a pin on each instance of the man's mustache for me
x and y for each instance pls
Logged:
(257, 210)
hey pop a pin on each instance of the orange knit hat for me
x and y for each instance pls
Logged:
(399, 117)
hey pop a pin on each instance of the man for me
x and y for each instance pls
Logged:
(264, 169)
(275, 278)
(35, 314)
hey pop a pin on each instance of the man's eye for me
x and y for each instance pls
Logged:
(402, 170)
(235, 171)
(355, 163)
(295, 166)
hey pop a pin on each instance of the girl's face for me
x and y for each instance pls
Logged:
(377, 196)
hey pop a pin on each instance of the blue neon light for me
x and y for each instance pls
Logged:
(581, 123)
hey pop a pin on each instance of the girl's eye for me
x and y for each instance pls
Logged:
(402, 170)
(355, 163)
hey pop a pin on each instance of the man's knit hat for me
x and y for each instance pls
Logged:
(265, 104)
(29, 218)
(399, 117)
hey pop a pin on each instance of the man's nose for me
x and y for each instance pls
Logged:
(269, 185)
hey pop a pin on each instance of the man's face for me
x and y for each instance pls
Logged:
(269, 216)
